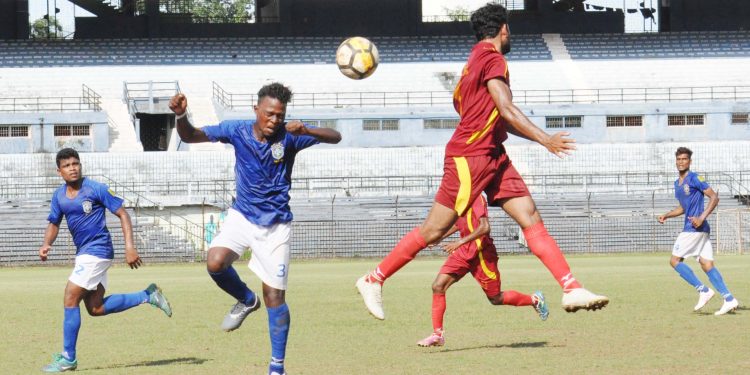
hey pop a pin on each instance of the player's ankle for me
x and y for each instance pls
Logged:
(373, 278)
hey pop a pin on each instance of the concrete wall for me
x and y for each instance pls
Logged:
(717, 125)
(41, 136)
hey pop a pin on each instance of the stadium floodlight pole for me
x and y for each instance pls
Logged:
(56, 10)
(47, 19)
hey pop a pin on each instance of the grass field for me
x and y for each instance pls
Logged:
(648, 328)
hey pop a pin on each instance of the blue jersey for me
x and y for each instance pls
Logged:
(690, 195)
(263, 170)
(86, 217)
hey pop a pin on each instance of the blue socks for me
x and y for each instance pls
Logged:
(278, 327)
(120, 302)
(687, 274)
(71, 325)
(715, 277)
(229, 281)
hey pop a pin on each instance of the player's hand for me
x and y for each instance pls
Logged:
(178, 104)
(132, 258)
(296, 127)
(661, 219)
(696, 221)
(451, 247)
(43, 251)
(559, 144)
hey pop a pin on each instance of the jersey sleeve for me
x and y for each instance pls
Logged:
(302, 142)
(108, 198)
(220, 133)
(55, 213)
(494, 66)
(699, 182)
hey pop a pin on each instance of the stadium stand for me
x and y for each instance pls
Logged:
(245, 51)
(658, 45)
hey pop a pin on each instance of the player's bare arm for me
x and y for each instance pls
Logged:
(131, 254)
(324, 135)
(520, 125)
(447, 234)
(713, 201)
(50, 235)
(674, 213)
(187, 132)
(482, 229)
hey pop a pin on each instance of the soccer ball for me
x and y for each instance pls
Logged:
(357, 57)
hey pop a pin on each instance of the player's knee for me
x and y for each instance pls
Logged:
(216, 263)
(439, 288)
(497, 299)
(95, 311)
(273, 298)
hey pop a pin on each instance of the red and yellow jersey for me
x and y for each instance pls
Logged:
(470, 222)
(481, 128)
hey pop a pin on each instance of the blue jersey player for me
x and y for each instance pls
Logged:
(260, 218)
(694, 239)
(82, 202)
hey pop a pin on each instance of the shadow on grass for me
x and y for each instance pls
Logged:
(515, 345)
(709, 313)
(161, 362)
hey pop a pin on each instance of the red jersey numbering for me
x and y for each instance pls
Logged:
(478, 132)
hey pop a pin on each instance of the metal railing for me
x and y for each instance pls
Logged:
(88, 101)
(243, 101)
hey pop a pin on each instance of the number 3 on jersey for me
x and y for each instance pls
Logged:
(282, 270)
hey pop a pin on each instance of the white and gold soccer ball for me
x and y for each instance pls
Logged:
(357, 57)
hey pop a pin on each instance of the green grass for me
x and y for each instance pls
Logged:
(648, 328)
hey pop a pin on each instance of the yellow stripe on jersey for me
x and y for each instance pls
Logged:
(490, 274)
(479, 134)
(464, 188)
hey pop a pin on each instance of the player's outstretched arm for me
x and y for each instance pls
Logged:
(187, 132)
(520, 125)
(324, 135)
(674, 213)
(131, 254)
(50, 235)
(481, 230)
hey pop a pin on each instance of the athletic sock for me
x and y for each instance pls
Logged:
(438, 311)
(403, 253)
(715, 277)
(71, 326)
(513, 298)
(687, 274)
(230, 282)
(278, 328)
(545, 248)
(120, 302)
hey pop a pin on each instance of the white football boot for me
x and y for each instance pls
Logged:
(372, 293)
(703, 298)
(580, 298)
(728, 306)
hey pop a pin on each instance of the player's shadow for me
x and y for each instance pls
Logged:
(161, 362)
(709, 313)
(515, 345)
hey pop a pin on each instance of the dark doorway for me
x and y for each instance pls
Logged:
(156, 131)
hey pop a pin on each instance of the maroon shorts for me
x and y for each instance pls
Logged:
(465, 177)
(481, 264)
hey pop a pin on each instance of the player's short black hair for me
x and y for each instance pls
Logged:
(66, 153)
(487, 20)
(277, 91)
(684, 150)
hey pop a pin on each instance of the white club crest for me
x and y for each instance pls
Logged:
(686, 189)
(277, 151)
(86, 206)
